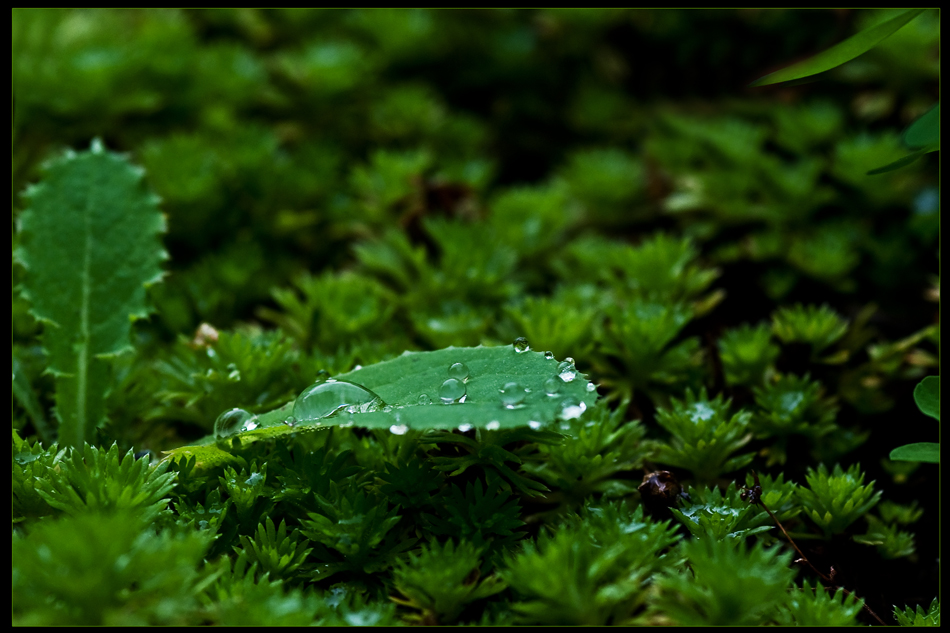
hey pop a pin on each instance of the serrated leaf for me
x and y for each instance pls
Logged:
(927, 396)
(88, 241)
(840, 53)
(401, 382)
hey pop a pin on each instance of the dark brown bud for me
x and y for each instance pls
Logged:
(660, 489)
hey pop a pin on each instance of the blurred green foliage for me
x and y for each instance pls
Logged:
(341, 186)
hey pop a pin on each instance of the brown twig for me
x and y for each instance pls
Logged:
(754, 496)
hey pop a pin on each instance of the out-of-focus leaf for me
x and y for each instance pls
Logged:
(927, 396)
(903, 162)
(925, 131)
(919, 452)
(841, 53)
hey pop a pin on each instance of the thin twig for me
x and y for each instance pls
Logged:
(756, 498)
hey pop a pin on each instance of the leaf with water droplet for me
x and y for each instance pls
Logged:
(409, 389)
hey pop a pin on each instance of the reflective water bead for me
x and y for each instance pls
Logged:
(230, 422)
(398, 429)
(334, 396)
(322, 376)
(552, 385)
(521, 344)
(571, 409)
(424, 399)
(566, 371)
(512, 394)
(591, 387)
(494, 425)
(465, 428)
(549, 355)
(534, 424)
(290, 421)
(452, 390)
(250, 425)
(459, 371)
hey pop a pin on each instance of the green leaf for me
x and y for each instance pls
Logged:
(409, 387)
(88, 243)
(840, 53)
(906, 160)
(920, 452)
(924, 131)
(927, 396)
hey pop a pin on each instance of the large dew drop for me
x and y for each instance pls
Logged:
(571, 409)
(323, 399)
(459, 371)
(566, 371)
(512, 394)
(452, 390)
(521, 345)
(230, 423)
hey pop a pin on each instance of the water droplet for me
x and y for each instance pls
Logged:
(459, 371)
(591, 387)
(552, 385)
(424, 399)
(521, 345)
(322, 376)
(358, 367)
(328, 398)
(290, 421)
(387, 408)
(465, 428)
(570, 360)
(230, 422)
(549, 355)
(512, 394)
(534, 424)
(250, 425)
(398, 429)
(494, 425)
(566, 371)
(452, 390)
(571, 409)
